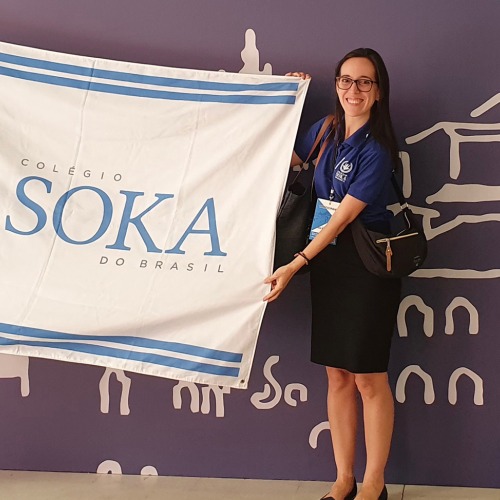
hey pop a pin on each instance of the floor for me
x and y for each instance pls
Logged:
(66, 486)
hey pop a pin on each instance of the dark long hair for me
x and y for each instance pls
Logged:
(380, 116)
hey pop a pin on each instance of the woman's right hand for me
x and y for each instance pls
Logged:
(280, 279)
(300, 74)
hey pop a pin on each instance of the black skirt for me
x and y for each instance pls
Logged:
(353, 311)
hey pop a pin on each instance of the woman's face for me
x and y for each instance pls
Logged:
(357, 104)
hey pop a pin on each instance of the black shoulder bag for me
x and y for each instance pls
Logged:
(294, 218)
(392, 255)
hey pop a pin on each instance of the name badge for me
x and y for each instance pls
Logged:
(322, 214)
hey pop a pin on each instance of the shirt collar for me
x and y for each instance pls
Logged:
(359, 137)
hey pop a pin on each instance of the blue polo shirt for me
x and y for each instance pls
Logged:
(363, 169)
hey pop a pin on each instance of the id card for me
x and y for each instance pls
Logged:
(322, 214)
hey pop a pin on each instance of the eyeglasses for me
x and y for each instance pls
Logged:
(363, 84)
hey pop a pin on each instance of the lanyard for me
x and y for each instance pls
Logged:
(337, 163)
(335, 154)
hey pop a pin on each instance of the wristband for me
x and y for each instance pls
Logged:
(303, 255)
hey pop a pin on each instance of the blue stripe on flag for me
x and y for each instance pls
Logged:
(41, 64)
(146, 79)
(138, 92)
(194, 84)
(155, 359)
(192, 350)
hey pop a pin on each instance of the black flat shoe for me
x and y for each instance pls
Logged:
(354, 491)
(351, 495)
(383, 495)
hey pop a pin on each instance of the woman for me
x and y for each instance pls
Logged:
(353, 311)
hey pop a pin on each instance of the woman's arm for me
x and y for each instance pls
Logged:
(295, 160)
(347, 211)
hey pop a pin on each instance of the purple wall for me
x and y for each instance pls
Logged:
(444, 63)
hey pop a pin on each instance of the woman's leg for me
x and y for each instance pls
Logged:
(342, 416)
(378, 413)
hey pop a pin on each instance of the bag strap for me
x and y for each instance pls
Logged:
(327, 123)
(403, 202)
(399, 192)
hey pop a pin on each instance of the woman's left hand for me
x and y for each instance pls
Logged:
(279, 280)
(300, 74)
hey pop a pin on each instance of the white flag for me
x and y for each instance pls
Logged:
(137, 211)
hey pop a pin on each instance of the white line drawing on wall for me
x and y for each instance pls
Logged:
(427, 311)
(451, 129)
(206, 392)
(304, 166)
(464, 193)
(251, 57)
(125, 390)
(405, 162)
(473, 315)
(258, 398)
(486, 106)
(149, 470)
(194, 393)
(113, 467)
(13, 366)
(300, 388)
(109, 467)
(316, 431)
(429, 395)
(469, 274)
(418, 302)
(478, 386)
(218, 393)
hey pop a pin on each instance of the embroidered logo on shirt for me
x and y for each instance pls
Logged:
(343, 169)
